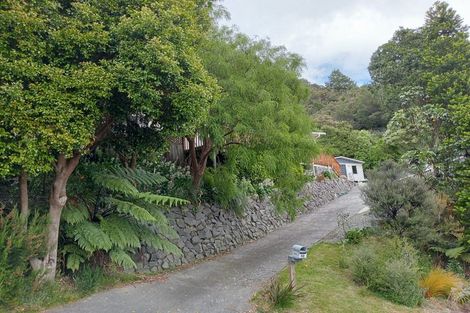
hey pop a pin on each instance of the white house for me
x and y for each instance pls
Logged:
(351, 168)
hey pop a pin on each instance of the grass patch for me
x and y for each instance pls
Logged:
(36, 298)
(327, 287)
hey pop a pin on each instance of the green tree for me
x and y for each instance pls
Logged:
(259, 124)
(339, 82)
(72, 70)
(425, 72)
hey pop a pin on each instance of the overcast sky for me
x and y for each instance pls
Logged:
(332, 34)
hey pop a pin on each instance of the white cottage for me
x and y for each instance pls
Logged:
(351, 168)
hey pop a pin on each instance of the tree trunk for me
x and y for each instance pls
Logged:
(198, 166)
(134, 161)
(24, 205)
(57, 200)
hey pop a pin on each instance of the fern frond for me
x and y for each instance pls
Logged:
(131, 209)
(161, 222)
(74, 214)
(74, 256)
(120, 257)
(138, 176)
(153, 240)
(90, 237)
(115, 183)
(159, 199)
(74, 261)
(120, 231)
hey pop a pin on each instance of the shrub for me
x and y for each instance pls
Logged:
(17, 246)
(224, 187)
(398, 282)
(405, 205)
(439, 283)
(281, 295)
(177, 181)
(88, 278)
(328, 174)
(355, 235)
(390, 268)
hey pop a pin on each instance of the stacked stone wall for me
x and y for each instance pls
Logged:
(209, 230)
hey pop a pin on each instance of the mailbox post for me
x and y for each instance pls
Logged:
(298, 253)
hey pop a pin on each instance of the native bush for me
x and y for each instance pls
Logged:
(18, 245)
(406, 206)
(389, 267)
(177, 182)
(224, 187)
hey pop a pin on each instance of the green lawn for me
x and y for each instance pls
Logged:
(328, 288)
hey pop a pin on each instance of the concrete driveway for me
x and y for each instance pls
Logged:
(227, 283)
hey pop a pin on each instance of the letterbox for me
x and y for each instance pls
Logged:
(298, 253)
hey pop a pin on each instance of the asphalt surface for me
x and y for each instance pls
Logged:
(226, 283)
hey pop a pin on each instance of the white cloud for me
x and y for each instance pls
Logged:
(332, 34)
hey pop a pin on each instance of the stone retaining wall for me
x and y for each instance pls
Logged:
(209, 230)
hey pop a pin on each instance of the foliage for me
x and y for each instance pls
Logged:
(356, 235)
(390, 268)
(339, 82)
(424, 73)
(177, 182)
(438, 283)
(461, 295)
(226, 189)
(72, 72)
(342, 139)
(259, 125)
(88, 279)
(405, 205)
(281, 295)
(362, 107)
(111, 211)
(327, 286)
(17, 246)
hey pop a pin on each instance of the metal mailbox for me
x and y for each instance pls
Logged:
(298, 253)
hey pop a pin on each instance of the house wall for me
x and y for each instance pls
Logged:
(359, 177)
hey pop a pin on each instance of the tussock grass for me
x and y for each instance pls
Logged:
(439, 283)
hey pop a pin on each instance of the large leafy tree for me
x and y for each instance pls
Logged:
(72, 70)
(426, 73)
(259, 123)
(339, 82)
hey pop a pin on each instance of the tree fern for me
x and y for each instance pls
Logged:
(115, 184)
(117, 217)
(138, 176)
(131, 209)
(158, 199)
(120, 257)
(153, 240)
(74, 214)
(90, 237)
(120, 231)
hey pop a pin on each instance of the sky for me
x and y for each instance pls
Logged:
(331, 34)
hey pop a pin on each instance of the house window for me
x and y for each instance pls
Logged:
(354, 168)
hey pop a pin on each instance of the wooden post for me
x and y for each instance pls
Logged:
(292, 273)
